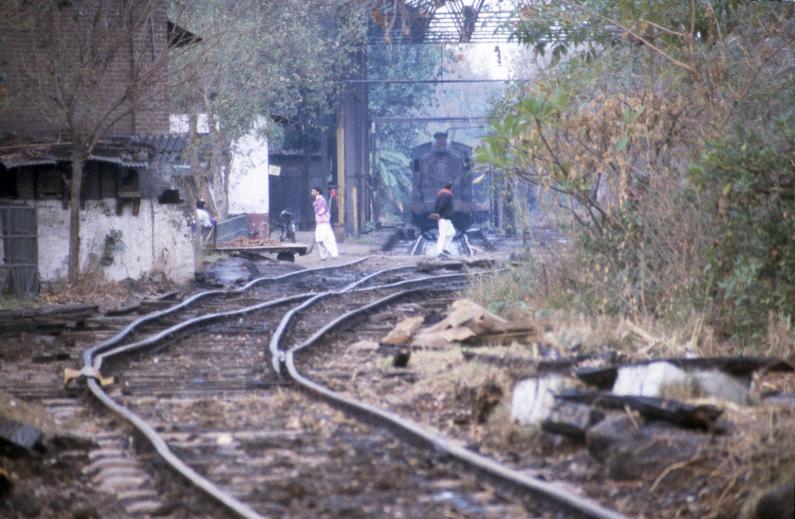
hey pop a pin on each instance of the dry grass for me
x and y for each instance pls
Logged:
(780, 336)
(537, 290)
(30, 413)
(761, 456)
(95, 288)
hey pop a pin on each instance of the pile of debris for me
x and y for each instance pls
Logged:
(243, 242)
(650, 419)
(466, 322)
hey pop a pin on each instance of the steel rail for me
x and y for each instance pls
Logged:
(520, 482)
(277, 354)
(416, 244)
(177, 464)
(148, 431)
(163, 334)
(124, 332)
(101, 351)
(470, 252)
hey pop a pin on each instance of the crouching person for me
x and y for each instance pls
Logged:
(324, 235)
(205, 220)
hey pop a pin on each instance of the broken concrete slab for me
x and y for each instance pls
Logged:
(665, 380)
(465, 312)
(468, 320)
(605, 376)
(534, 398)
(649, 379)
(716, 384)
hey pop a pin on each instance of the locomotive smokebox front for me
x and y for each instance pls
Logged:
(435, 164)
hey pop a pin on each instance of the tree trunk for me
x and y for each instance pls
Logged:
(226, 165)
(195, 189)
(307, 216)
(78, 160)
(215, 168)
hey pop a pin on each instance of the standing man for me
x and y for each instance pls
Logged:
(444, 208)
(324, 235)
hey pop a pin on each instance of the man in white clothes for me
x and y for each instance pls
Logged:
(444, 210)
(324, 235)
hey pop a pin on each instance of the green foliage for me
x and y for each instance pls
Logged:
(584, 27)
(670, 147)
(266, 59)
(400, 62)
(751, 259)
(394, 178)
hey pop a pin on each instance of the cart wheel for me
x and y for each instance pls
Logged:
(286, 256)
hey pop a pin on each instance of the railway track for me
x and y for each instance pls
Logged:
(464, 244)
(540, 497)
(214, 385)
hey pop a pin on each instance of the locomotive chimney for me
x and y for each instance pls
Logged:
(440, 141)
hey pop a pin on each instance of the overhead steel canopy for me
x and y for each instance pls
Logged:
(440, 21)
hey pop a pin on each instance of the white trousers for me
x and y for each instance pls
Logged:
(326, 242)
(446, 234)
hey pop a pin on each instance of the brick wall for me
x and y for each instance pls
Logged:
(29, 79)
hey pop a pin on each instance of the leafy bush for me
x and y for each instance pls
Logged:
(667, 137)
(751, 259)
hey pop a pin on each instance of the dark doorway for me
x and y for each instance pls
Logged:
(19, 271)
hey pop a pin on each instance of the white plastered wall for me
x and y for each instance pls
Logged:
(248, 182)
(158, 238)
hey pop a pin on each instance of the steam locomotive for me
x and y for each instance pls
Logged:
(435, 164)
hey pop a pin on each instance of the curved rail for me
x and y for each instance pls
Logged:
(416, 244)
(177, 464)
(94, 356)
(467, 245)
(503, 475)
(277, 355)
(127, 330)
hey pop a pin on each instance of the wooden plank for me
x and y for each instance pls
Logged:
(51, 310)
(296, 249)
(674, 411)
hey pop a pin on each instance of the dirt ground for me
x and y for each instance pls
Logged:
(49, 481)
(445, 391)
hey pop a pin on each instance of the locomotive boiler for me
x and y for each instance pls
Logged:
(435, 164)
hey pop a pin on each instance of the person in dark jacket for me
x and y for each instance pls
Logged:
(444, 208)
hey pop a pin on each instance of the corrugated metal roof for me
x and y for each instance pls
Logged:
(134, 151)
(121, 161)
(168, 149)
(11, 163)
